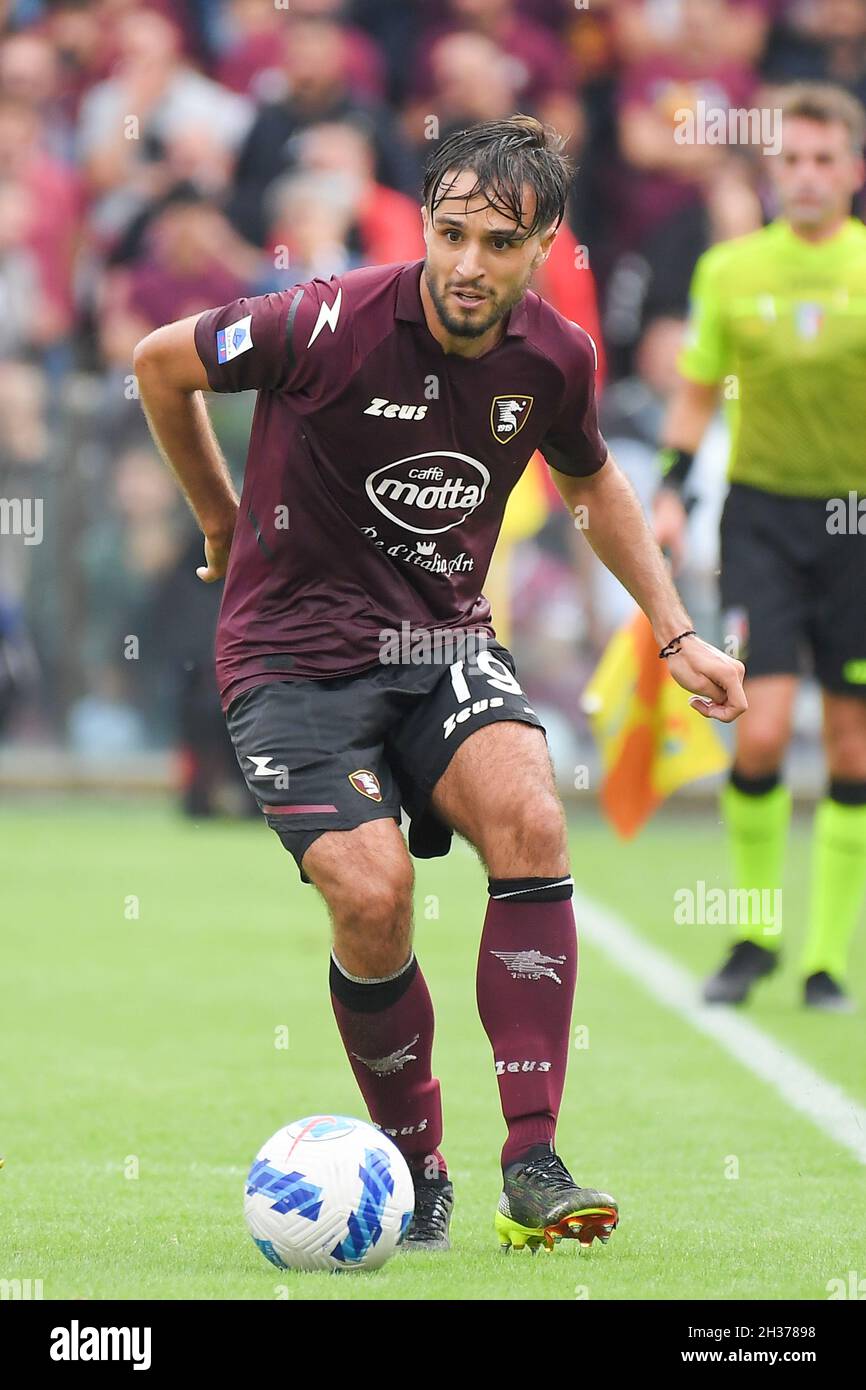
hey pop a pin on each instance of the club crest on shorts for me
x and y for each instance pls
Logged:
(508, 415)
(367, 783)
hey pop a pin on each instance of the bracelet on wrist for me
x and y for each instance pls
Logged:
(673, 646)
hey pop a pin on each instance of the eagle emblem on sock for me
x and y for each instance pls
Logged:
(395, 1061)
(530, 965)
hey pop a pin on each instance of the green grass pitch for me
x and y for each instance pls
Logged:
(148, 1044)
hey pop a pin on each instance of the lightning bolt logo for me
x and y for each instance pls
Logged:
(328, 314)
(261, 766)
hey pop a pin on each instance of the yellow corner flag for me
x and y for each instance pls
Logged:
(651, 742)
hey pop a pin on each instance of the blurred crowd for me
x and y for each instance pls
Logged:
(159, 158)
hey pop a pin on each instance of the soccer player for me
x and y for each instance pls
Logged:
(780, 315)
(397, 408)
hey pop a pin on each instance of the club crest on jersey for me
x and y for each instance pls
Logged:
(235, 339)
(809, 318)
(508, 415)
(367, 783)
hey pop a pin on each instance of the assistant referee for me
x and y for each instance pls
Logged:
(778, 326)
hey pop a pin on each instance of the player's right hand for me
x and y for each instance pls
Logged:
(216, 554)
(669, 525)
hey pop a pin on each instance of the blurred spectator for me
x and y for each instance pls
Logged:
(250, 61)
(103, 724)
(30, 77)
(190, 260)
(84, 49)
(313, 215)
(471, 81)
(196, 161)
(386, 225)
(131, 548)
(152, 98)
(23, 453)
(314, 58)
(48, 209)
(668, 176)
(19, 276)
(393, 25)
(675, 195)
(646, 28)
(539, 72)
(824, 41)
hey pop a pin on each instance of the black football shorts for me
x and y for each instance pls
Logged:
(333, 754)
(793, 589)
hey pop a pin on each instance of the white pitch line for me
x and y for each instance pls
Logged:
(804, 1089)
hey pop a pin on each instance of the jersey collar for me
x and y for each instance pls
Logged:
(842, 234)
(409, 304)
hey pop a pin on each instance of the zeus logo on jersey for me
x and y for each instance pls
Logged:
(235, 339)
(390, 410)
(427, 496)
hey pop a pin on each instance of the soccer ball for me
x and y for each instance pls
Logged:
(328, 1192)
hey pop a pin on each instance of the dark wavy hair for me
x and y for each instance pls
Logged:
(505, 155)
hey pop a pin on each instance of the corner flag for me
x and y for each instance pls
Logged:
(651, 742)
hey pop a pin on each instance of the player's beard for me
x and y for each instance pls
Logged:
(460, 327)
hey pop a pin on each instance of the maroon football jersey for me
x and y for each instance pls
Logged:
(379, 466)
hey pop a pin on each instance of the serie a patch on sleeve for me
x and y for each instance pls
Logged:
(235, 339)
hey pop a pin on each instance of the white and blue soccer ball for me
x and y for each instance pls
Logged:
(328, 1192)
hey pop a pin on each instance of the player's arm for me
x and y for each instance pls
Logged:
(171, 379)
(693, 404)
(690, 411)
(614, 525)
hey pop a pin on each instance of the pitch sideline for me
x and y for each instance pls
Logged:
(804, 1089)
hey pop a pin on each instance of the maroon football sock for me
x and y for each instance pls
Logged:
(387, 1031)
(527, 970)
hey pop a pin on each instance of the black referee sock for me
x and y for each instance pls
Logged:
(754, 786)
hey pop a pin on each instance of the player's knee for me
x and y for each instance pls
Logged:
(531, 839)
(761, 753)
(379, 906)
(846, 752)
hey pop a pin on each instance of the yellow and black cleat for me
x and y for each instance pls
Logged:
(541, 1204)
(586, 1225)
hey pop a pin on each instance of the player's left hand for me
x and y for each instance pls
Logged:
(713, 678)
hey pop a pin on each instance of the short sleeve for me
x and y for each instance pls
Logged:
(290, 340)
(704, 355)
(574, 444)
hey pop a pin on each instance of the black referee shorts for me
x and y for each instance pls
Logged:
(332, 754)
(793, 589)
